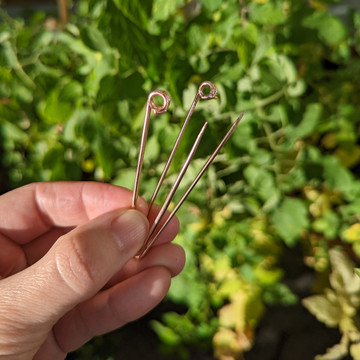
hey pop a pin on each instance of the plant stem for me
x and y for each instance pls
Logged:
(63, 11)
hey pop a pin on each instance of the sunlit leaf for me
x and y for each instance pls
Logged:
(268, 276)
(226, 344)
(343, 276)
(325, 311)
(352, 234)
(290, 220)
(163, 9)
(167, 335)
(355, 351)
(336, 352)
(357, 271)
(211, 5)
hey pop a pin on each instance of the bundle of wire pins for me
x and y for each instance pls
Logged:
(155, 229)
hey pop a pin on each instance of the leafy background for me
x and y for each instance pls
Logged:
(275, 223)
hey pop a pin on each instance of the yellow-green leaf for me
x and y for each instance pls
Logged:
(324, 310)
(226, 344)
(343, 277)
(355, 351)
(337, 352)
(352, 234)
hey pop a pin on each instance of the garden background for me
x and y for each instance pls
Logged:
(272, 232)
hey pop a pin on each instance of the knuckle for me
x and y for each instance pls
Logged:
(73, 266)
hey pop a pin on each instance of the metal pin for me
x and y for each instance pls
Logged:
(157, 109)
(211, 94)
(173, 189)
(151, 239)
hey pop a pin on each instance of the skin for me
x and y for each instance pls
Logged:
(67, 269)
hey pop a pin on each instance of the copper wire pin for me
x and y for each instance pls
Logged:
(157, 109)
(173, 189)
(149, 241)
(211, 94)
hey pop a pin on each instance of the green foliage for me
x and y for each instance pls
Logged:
(290, 219)
(72, 102)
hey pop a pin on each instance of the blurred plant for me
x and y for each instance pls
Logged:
(339, 306)
(72, 100)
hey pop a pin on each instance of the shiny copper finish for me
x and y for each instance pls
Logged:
(171, 194)
(207, 90)
(211, 94)
(150, 105)
(150, 240)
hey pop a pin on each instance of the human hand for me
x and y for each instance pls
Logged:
(67, 269)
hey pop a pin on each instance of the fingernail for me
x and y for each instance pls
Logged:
(130, 230)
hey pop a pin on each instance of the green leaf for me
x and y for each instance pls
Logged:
(211, 5)
(8, 54)
(53, 156)
(23, 94)
(164, 9)
(166, 334)
(263, 46)
(12, 133)
(251, 33)
(94, 38)
(328, 224)
(268, 277)
(244, 50)
(261, 181)
(338, 177)
(125, 178)
(152, 149)
(331, 30)
(310, 120)
(290, 220)
(99, 64)
(55, 111)
(296, 89)
(71, 92)
(105, 156)
(197, 38)
(134, 10)
(266, 14)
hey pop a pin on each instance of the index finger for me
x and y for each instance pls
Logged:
(32, 210)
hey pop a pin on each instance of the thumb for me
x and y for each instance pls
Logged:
(76, 267)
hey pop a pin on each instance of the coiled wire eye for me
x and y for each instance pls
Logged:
(211, 94)
(159, 109)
